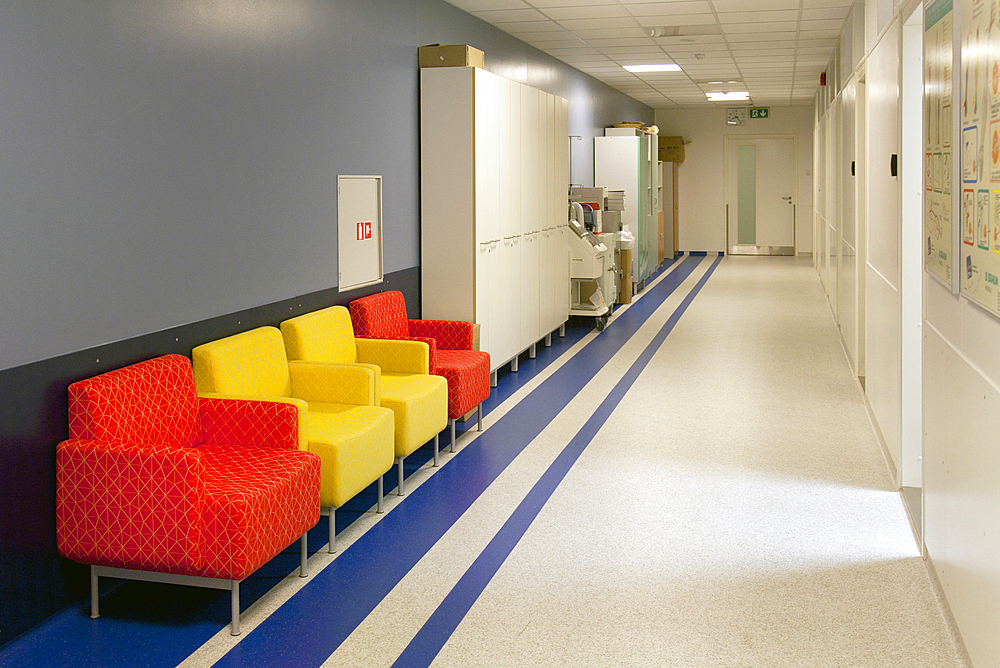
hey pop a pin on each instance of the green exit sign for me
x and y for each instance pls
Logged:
(759, 112)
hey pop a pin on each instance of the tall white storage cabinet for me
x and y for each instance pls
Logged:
(626, 159)
(494, 181)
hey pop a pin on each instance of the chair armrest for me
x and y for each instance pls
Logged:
(129, 506)
(329, 383)
(301, 406)
(449, 334)
(431, 348)
(249, 423)
(395, 356)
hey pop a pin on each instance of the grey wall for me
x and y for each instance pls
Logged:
(168, 176)
(167, 161)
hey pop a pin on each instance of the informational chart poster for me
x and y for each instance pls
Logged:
(980, 113)
(938, 113)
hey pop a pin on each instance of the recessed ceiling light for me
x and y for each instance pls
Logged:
(714, 83)
(722, 97)
(666, 67)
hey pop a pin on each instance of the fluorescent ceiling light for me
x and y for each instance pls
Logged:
(666, 67)
(723, 97)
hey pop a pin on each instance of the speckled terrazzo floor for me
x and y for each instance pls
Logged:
(734, 510)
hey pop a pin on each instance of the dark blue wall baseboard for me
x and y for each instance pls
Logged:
(36, 582)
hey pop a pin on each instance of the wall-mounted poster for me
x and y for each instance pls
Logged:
(939, 225)
(980, 97)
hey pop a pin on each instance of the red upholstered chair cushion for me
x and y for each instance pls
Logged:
(157, 479)
(153, 403)
(129, 506)
(449, 334)
(380, 316)
(258, 501)
(468, 376)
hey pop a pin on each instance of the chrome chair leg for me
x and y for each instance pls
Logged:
(379, 504)
(234, 626)
(332, 548)
(399, 489)
(94, 612)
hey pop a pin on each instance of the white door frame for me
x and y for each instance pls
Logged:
(727, 175)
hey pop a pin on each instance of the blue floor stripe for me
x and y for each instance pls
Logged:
(310, 626)
(432, 637)
(153, 626)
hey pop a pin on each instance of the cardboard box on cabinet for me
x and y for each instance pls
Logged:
(450, 55)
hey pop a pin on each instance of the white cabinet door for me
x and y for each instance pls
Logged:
(529, 159)
(487, 160)
(564, 298)
(529, 289)
(546, 298)
(510, 300)
(515, 225)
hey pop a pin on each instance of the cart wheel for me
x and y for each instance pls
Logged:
(602, 322)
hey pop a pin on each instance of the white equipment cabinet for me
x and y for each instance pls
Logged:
(626, 159)
(494, 180)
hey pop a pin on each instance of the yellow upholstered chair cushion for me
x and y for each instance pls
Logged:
(358, 384)
(419, 401)
(395, 356)
(339, 416)
(251, 362)
(354, 444)
(321, 336)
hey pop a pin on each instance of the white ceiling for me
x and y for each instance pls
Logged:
(775, 49)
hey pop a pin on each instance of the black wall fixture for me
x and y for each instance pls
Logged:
(894, 165)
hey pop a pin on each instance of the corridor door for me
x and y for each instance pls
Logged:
(760, 193)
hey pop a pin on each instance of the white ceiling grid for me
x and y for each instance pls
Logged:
(775, 49)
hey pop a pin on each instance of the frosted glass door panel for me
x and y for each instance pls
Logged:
(746, 194)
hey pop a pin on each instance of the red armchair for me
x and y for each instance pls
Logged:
(160, 485)
(383, 316)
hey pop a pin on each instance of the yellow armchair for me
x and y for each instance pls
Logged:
(419, 401)
(340, 419)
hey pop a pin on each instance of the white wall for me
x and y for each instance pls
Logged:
(882, 277)
(701, 190)
(960, 364)
(961, 462)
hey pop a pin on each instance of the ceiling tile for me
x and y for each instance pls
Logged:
(523, 27)
(480, 5)
(542, 4)
(510, 15)
(826, 13)
(759, 17)
(612, 33)
(590, 12)
(657, 20)
(741, 5)
(668, 8)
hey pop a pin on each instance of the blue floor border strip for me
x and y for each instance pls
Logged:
(433, 635)
(310, 626)
(149, 625)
